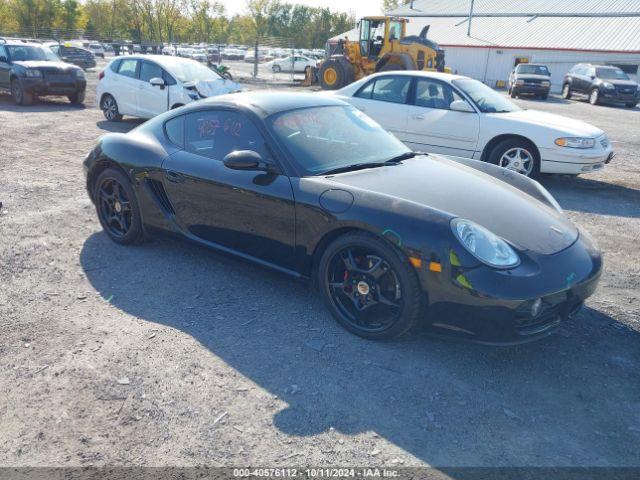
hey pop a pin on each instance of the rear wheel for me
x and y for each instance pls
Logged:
(517, 155)
(566, 91)
(368, 287)
(110, 108)
(277, 69)
(20, 97)
(544, 96)
(594, 97)
(117, 207)
(513, 93)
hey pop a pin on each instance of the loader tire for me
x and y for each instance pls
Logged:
(336, 73)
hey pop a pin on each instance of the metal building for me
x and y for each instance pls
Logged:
(485, 39)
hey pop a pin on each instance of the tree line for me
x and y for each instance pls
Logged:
(172, 21)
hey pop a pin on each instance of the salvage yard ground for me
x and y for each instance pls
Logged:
(169, 354)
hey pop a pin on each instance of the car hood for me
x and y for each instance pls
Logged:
(45, 64)
(461, 191)
(621, 83)
(550, 120)
(213, 88)
(532, 76)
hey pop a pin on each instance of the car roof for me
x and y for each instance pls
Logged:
(419, 73)
(264, 103)
(18, 43)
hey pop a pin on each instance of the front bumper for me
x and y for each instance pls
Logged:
(574, 161)
(46, 86)
(615, 96)
(531, 89)
(490, 306)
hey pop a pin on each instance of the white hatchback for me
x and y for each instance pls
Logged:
(147, 85)
(458, 116)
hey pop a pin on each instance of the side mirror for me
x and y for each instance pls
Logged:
(4, 59)
(157, 82)
(593, 77)
(461, 106)
(243, 160)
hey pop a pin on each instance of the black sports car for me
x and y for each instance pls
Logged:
(312, 187)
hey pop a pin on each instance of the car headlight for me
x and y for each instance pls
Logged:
(575, 142)
(608, 86)
(484, 245)
(545, 83)
(33, 73)
(79, 73)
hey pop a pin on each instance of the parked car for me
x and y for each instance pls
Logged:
(456, 115)
(199, 55)
(312, 187)
(602, 84)
(296, 63)
(108, 50)
(146, 85)
(29, 70)
(97, 49)
(530, 79)
(81, 57)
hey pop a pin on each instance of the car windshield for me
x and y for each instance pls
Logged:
(321, 139)
(486, 98)
(21, 53)
(533, 70)
(193, 72)
(611, 74)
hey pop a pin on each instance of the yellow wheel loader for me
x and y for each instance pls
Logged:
(382, 46)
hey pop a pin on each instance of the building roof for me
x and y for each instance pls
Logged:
(591, 25)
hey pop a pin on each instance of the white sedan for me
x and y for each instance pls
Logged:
(458, 116)
(295, 63)
(147, 85)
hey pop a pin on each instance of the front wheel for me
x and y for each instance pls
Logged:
(20, 97)
(276, 69)
(517, 155)
(369, 288)
(594, 97)
(566, 91)
(513, 93)
(117, 207)
(77, 98)
(227, 75)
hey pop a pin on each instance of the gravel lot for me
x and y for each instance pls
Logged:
(170, 354)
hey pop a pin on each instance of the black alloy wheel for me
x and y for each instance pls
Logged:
(369, 289)
(117, 207)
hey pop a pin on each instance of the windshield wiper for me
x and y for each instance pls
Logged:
(403, 156)
(355, 166)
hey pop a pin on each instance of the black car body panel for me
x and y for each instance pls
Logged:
(56, 77)
(283, 220)
(584, 78)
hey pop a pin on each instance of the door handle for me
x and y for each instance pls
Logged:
(418, 116)
(174, 177)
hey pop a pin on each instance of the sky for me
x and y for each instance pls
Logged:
(359, 8)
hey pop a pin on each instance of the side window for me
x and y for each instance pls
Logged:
(174, 129)
(150, 70)
(366, 91)
(433, 94)
(128, 68)
(169, 80)
(591, 72)
(391, 89)
(3, 52)
(115, 66)
(215, 134)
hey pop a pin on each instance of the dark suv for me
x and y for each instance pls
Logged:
(29, 70)
(602, 84)
(531, 79)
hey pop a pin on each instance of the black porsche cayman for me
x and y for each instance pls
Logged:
(310, 186)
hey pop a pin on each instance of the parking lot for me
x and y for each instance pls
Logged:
(170, 354)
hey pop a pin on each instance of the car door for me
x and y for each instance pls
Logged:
(385, 100)
(125, 86)
(5, 67)
(251, 212)
(580, 83)
(433, 127)
(151, 100)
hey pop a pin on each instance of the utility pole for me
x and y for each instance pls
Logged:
(470, 17)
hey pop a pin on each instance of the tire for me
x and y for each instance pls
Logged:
(228, 76)
(380, 319)
(391, 67)
(20, 97)
(507, 152)
(118, 209)
(594, 96)
(336, 73)
(109, 108)
(630, 105)
(544, 96)
(566, 91)
(276, 69)
(513, 93)
(77, 98)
